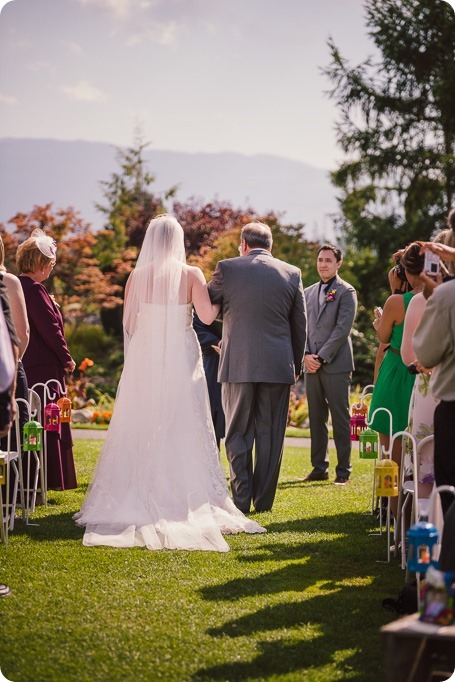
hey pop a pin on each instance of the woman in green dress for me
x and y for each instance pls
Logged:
(394, 383)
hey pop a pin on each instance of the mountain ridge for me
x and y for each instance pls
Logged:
(69, 173)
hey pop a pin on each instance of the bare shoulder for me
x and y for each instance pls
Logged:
(394, 308)
(395, 302)
(194, 274)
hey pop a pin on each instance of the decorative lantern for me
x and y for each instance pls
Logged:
(386, 472)
(64, 405)
(422, 541)
(2, 468)
(51, 417)
(357, 423)
(359, 408)
(368, 444)
(33, 436)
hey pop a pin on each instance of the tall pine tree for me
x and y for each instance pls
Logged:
(397, 125)
(396, 128)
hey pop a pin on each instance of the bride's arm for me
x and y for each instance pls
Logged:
(128, 316)
(206, 311)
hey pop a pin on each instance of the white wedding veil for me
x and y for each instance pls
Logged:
(159, 277)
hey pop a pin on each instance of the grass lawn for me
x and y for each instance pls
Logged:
(301, 602)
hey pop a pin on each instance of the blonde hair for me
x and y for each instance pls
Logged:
(29, 258)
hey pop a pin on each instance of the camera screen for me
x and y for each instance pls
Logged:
(431, 263)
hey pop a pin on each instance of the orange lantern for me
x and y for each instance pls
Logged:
(359, 408)
(64, 405)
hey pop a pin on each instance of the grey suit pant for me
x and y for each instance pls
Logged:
(329, 392)
(255, 413)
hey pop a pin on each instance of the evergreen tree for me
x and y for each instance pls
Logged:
(397, 130)
(397, 126)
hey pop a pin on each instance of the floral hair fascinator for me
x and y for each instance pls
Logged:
(45, 244)
(330, 295)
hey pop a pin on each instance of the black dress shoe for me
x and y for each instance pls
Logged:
(341, 480)
(317, 476)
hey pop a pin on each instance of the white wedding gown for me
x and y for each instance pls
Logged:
(158, 481)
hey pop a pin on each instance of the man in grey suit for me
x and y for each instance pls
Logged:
(262, 347)
(331, 308)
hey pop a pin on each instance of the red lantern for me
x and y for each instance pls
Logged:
(64, 405)
(357, 423)
(51, 417)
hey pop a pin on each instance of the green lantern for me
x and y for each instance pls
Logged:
(368, 444)
(2, 468)
(33, 436)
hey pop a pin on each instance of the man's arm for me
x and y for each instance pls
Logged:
(216, 285)
(298, 325)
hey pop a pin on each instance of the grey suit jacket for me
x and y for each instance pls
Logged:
(264, 319)
(329, 326)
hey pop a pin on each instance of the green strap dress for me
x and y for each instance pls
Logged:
(394, 384)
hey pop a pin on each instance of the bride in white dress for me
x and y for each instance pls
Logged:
(158, 481)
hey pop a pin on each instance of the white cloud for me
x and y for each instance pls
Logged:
(83, 91)
(8, 99)
(157, 20)
(39, 66)
(72, 46)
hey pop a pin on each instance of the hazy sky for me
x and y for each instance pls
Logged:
(198, 75)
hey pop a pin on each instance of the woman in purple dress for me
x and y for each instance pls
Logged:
(47, 355)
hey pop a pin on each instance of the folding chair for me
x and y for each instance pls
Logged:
(12, 469)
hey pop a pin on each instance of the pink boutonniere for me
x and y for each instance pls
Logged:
(330, 295)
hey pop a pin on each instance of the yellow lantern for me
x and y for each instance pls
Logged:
(386, 473)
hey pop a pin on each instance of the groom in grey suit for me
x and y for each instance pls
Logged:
(331, 305)
(262, 347)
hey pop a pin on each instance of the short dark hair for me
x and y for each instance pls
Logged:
(411, 258)
(335, 250)
(257, 235)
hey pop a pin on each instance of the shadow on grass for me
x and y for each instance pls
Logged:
(300, 483)
(50, 527)
(331, 576)
(322, 640)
